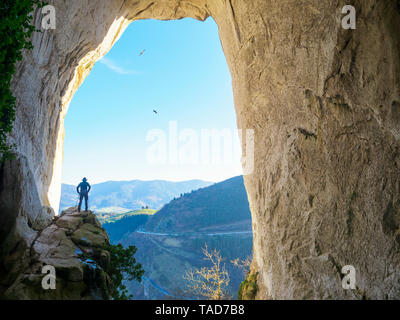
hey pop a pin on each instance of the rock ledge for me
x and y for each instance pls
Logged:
(76, 245)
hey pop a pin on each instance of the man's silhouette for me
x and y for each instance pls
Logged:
(83, 189)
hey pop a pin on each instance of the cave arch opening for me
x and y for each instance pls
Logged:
(141, 116)
(285, 71)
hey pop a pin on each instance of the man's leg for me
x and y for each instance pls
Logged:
(86, 202)
(80, 203)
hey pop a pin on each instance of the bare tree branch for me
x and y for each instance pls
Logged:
(243, 265)
(209, 283)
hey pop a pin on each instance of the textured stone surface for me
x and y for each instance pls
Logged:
(80, 266)
(325, 106)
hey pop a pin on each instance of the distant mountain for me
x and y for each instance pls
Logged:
(123, 196)
(170, 242)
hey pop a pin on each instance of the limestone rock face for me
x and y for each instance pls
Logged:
(74, 244)
(325, 106)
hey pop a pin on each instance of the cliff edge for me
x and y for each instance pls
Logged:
(74, 246)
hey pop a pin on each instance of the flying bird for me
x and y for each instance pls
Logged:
(140, 54)
(155, 111)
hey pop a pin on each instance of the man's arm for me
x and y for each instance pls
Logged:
(77, 188)
(90, 187)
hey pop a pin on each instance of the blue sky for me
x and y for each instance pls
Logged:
(182, 74)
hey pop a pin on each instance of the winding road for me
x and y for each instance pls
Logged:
(193, 233)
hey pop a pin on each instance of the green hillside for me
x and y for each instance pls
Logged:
(213, 207)
(125, 225)
(165, 259)
(108, 216)
(171, 241)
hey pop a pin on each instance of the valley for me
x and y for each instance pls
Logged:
(170, 241)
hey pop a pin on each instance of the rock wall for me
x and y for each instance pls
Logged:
(325, 106)
(75, 245)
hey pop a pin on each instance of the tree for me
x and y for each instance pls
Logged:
(243, 265)
(123, 266)
(209, 282)
(15, 32)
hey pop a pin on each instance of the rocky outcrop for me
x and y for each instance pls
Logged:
(76, 246)
(325, 106)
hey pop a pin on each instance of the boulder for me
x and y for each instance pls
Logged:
(77, 249)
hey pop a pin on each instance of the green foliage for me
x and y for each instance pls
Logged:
(123, 266)
(15, 32)
(105, 216)
(248, 288)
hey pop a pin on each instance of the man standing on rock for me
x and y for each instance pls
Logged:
(83, 189)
